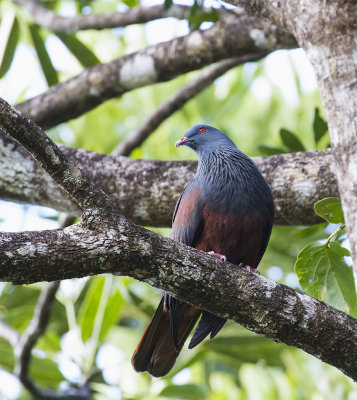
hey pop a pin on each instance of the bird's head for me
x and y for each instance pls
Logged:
(204, 138)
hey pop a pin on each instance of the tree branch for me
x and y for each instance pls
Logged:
(259, 304)
(25, 345)
(234, 37)
(298, 180)
(46, 18)
(186, 93)
(273, 11)
(72, 179)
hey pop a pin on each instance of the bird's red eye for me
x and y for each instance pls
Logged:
(202, 130)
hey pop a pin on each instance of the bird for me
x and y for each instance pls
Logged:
(226, 210)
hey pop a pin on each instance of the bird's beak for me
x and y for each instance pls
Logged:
(181, 141)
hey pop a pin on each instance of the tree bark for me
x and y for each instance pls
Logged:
(146, 191)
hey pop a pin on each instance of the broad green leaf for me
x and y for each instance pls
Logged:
(189, 391)
(309, 230)
(319, 126)
(45, 372)
(270, 150)
(9, 33)
(323, 274)
(112, 312)
(291, 141)
(90, 306)
(82, 53)
(330, 209)
(43, 57)
(7, 360)
(132, 3)
(197, 16)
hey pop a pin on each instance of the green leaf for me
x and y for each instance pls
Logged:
(270, 150)
(197, 16)
(43, 57)
(323, 274)
(291, 141)
(189, 391)
(90, 305)
(112, 312)
(330, 209)
(82, 53)
(11, 36)
(319, 126)
(132, 3)
(168, 4)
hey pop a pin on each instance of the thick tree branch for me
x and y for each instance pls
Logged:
(236, 36)
(46, 18)
(186, 93)
(257, 303)
(72, 179)
(273, 11)
(298, 180)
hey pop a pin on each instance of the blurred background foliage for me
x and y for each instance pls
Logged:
(97, 322)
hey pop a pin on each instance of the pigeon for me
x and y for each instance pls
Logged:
(226, 210)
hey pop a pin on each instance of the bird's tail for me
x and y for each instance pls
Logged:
(157, 352)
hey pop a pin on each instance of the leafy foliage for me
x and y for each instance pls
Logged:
(43, 57)
(11, 25)
(323, 274)
(321, 268)
(291, 140)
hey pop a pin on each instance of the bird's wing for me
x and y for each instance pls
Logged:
(187, 227)
(187, 221)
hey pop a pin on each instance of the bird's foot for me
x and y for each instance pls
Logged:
(220, 256)
(249, 268)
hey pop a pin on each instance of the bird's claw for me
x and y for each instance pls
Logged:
(220, 256)
(249, 268)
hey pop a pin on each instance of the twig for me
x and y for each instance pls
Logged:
(185, 94)
(24, 347)
(137, 15)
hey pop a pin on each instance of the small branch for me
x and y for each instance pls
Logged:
(23, 350)
(46, 18)
(339, 229)
(273, 11)
(234, 37)
(65, 173)
(185, 94)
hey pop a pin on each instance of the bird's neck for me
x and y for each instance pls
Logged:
(229, 174)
